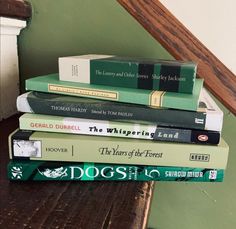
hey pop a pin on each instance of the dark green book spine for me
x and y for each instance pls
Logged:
(172, 76)
(68, 106)
(129, 72)
(40, 171)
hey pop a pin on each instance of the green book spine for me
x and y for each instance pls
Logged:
(79, 148)
(58, 124)
(52, 84)
(62, 171)
(149, 74)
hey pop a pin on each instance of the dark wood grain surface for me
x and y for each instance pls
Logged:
(69, 204)
(18, 9)
(183, 45)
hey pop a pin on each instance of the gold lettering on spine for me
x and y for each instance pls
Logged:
(83, 91)
(156, 98)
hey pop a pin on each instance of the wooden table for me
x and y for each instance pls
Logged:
(69, 204)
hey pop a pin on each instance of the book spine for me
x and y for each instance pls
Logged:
(119, 94)
(59, 124)
(39, 171)
(172, 76)
(78, 148)
(59, 105)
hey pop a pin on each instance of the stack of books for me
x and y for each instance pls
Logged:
(110, 118)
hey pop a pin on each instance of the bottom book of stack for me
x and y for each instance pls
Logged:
(56, 156)
(38, 170)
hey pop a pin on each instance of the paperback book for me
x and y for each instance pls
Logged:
(28, 145)
(207, 117)
(52, 84)
(150, 74)
(50, 123)
(66, 171)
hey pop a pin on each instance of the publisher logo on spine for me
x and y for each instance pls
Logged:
(199, 121)
(199, 157)
(202, 138)
(213, 174)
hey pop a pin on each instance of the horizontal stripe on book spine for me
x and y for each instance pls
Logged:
(84, 91)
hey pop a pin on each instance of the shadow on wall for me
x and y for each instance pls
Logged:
(72, 27)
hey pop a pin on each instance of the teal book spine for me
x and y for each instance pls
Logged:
(58, 171)
(52, 84)
(149, 74)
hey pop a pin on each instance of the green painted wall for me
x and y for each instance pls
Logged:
(199, 205)
(72, 27)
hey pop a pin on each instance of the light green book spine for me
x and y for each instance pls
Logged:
(52, 84)
(78, 148)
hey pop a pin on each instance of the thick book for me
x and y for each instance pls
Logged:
(52, 84)
(46, 146)
(58, 124)
(130, 72)
(66, 171)
(207, 117)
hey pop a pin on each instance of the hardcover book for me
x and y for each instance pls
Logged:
(52, 84)
(50, 123)
(150, 74)
(208, 115)
(45, 146)
(63, 171)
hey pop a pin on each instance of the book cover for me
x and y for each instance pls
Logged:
(149, 74)
(45, 146)
(207, 117)
(52, 84)
(66, 171)
(58, 124)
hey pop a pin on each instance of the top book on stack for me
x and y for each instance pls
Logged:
(149, 74)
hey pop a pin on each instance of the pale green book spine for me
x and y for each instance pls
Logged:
(52, 84)
(78, 148)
